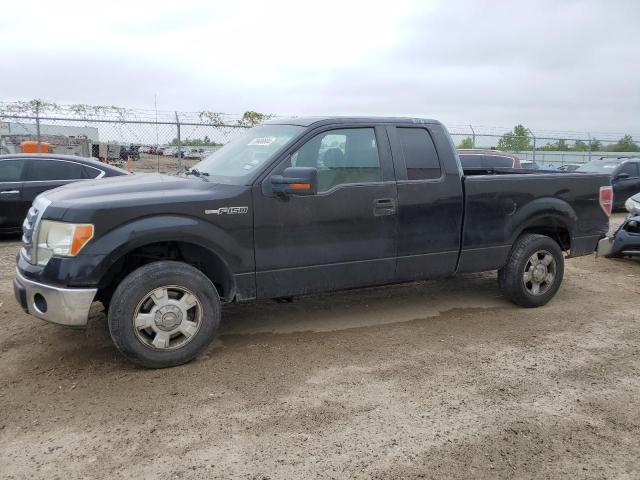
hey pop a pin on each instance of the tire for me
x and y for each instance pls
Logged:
(164, 314)
(521, 266)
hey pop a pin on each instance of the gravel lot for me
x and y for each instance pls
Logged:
(428, 380)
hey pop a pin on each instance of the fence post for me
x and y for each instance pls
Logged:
(589, 134)
(179, 142)
(534, 144)
(38, 127)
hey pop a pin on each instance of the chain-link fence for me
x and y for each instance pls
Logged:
(136, 139)
(551, 149)
(149, 140)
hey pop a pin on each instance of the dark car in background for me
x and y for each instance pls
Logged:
(476, 158)
(625, 176)
(24, 176)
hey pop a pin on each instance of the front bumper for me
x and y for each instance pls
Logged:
(625, 242)
(64, 306)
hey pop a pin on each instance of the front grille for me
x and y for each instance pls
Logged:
(30, 225)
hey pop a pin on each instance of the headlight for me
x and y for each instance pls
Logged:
(632, 206)
(60, 238)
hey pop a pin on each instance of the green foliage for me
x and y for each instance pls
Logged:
(625, 144)
(580, 146)
(466, 143)
(251, 118)
(195, 142)
(516, 140)
(596, 145)
(214, 118)
(559, 146)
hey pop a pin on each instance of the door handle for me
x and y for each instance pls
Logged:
(384, 206)
(10, 195)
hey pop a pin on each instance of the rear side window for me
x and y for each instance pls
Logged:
(420, 156)
(471, 161)
(497, 161)
(42, 170)
(91, 172)
(629, 168)
(11, 170)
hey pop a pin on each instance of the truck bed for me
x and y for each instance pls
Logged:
(498, 203)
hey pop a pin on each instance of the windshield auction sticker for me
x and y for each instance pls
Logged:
(262, 141)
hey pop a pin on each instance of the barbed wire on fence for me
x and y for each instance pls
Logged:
(86, 129)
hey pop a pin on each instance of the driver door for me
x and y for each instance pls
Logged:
(342, 237)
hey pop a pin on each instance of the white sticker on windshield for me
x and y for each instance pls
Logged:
(262, 141)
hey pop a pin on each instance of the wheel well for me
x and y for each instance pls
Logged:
(199, 257)
(553, 228)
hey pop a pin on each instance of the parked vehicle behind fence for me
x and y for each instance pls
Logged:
(475, 158)
(624, 173)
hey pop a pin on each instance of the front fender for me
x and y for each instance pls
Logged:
(232, 245)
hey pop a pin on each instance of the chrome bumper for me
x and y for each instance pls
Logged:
(605, 246)
(65, 306)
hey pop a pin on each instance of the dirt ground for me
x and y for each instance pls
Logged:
(159, 163)
(429, 380)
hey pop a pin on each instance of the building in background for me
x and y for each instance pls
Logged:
(64, 139)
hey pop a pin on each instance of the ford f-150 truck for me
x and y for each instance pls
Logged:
(294, 207)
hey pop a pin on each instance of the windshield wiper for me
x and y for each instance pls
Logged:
(196, 173)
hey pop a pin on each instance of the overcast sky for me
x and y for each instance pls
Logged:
(554, 65)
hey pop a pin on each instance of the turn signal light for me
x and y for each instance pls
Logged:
(81, 235)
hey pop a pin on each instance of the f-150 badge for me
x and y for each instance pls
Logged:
(227, 210)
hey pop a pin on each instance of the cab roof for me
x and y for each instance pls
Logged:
(309, 121)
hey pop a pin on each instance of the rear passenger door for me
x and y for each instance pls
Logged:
(430, 201)
(46, 174)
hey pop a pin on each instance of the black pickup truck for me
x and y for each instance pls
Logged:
(294, 207)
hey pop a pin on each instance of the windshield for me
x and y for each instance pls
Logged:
(599, 166)
(242, 156)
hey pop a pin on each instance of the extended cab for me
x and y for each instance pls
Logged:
(294, 207)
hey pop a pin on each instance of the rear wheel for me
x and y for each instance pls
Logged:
(533, 272)
(164, 314)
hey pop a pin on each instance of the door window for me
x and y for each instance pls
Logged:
(11, 170)
(420, 156)
(41, 170)
(341, 156)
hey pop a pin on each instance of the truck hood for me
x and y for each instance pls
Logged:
(133, 195)
(129, 188)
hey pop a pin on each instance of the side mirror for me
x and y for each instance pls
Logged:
(622, 176)
(296, 181)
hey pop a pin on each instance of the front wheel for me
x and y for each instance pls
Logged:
(533, 272)
(164, 314)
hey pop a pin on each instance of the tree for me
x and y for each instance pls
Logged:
(516, 140)
(194, 142)
(466, 143)
(251, 118)
(580, 146)
(625, 144)
(559, 146)
(596, 145)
